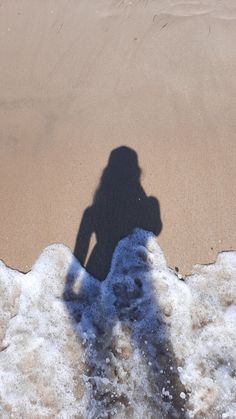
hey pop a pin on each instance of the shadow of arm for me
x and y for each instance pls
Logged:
(154, 215)
(84, 235)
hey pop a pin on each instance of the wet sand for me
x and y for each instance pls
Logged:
(79, 79)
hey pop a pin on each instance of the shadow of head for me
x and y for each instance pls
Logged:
(122, 166)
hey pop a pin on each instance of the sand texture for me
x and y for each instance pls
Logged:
(81, 78)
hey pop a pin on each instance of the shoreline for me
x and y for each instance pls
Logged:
(78, 81)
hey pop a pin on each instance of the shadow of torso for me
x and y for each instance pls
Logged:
(111, 220)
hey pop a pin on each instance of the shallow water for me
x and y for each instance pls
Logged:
(141, 344)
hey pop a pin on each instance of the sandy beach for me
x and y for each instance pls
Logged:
(78, 80)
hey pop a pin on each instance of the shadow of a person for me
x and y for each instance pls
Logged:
(119, 206)
(128, 358)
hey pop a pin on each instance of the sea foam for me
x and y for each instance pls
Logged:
(141, 344)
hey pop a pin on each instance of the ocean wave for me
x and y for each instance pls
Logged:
(143, 343)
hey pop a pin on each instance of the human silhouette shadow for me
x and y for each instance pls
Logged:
(119, 206)
(124, 309)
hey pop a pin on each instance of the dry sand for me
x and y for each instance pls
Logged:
(79, 78)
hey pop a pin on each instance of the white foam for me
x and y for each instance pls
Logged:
(141, 344)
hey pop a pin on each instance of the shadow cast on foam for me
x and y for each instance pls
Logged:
(130, 369)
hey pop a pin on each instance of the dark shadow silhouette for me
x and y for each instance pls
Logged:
(126, 299)
(120, 205)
